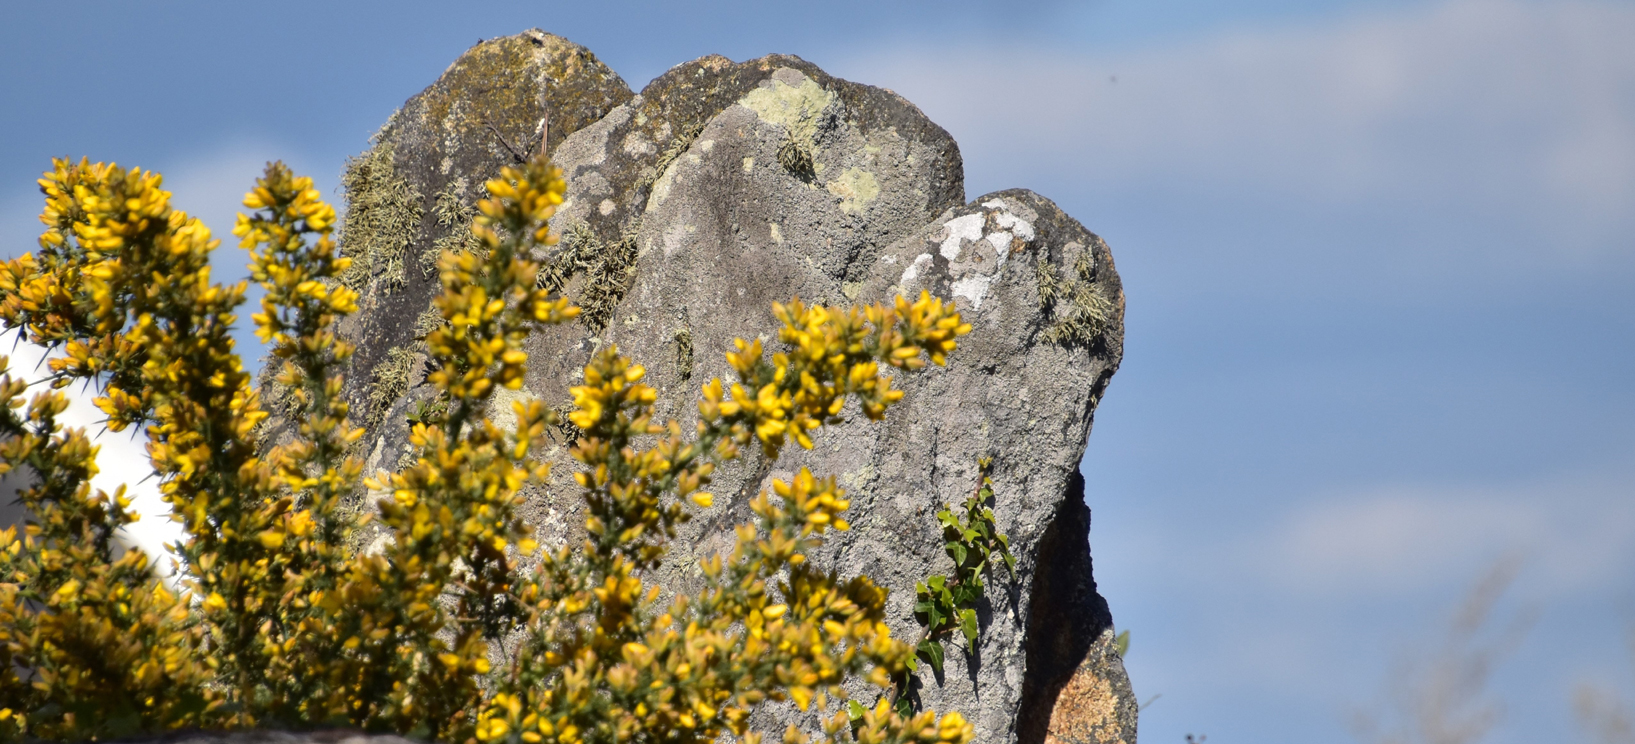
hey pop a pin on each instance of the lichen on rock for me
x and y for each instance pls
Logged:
(382, 214)
(1077, 309)
(454, 215)
(387, 382)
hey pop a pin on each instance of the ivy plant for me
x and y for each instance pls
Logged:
(946, 603)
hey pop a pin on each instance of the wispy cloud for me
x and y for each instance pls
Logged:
(1575, 533)
(1477, 105)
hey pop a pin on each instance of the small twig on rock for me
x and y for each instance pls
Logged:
(515, 153)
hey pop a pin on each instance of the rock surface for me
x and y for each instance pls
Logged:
(693, 206)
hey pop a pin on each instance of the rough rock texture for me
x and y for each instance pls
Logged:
(721, 188)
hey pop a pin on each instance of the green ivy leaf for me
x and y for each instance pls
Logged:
(932, 651)
(967, 625)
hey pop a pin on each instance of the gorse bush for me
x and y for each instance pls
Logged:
(277, 623)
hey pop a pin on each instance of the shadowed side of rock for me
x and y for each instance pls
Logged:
(1076, 690)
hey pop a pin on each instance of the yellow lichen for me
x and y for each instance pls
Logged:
(856, 188)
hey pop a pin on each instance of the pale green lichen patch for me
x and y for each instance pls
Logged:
(454, 215)
(387, 382)
(382, 213)
(856, 188)
(1077, 311)
(793, 107)
(608, 270)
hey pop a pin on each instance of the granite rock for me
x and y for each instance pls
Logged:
(723, 187)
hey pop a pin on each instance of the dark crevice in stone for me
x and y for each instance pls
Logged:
(1065, 616)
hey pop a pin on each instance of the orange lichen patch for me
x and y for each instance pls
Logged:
(1086, 712)
(1095, 706)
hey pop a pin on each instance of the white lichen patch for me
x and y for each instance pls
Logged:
(958, 230)
(1001, 242)
(706, 146)
(973, 288)
(789, 100)
(502, 407)
(637, 145)
(1008, 221)
(606, 207)
(975, 251)
(676, 237)
(749, 164)
(777, 233)
(921, 263)
(856, 188)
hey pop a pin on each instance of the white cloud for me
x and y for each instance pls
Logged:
(1485, 106)
(1575, 534)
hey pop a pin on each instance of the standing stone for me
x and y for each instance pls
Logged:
(721, 188)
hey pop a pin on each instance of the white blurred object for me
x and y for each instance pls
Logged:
(121, 458)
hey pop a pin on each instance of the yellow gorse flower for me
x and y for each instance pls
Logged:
(280, 622)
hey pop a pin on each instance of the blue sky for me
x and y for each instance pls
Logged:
(1378, 256)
